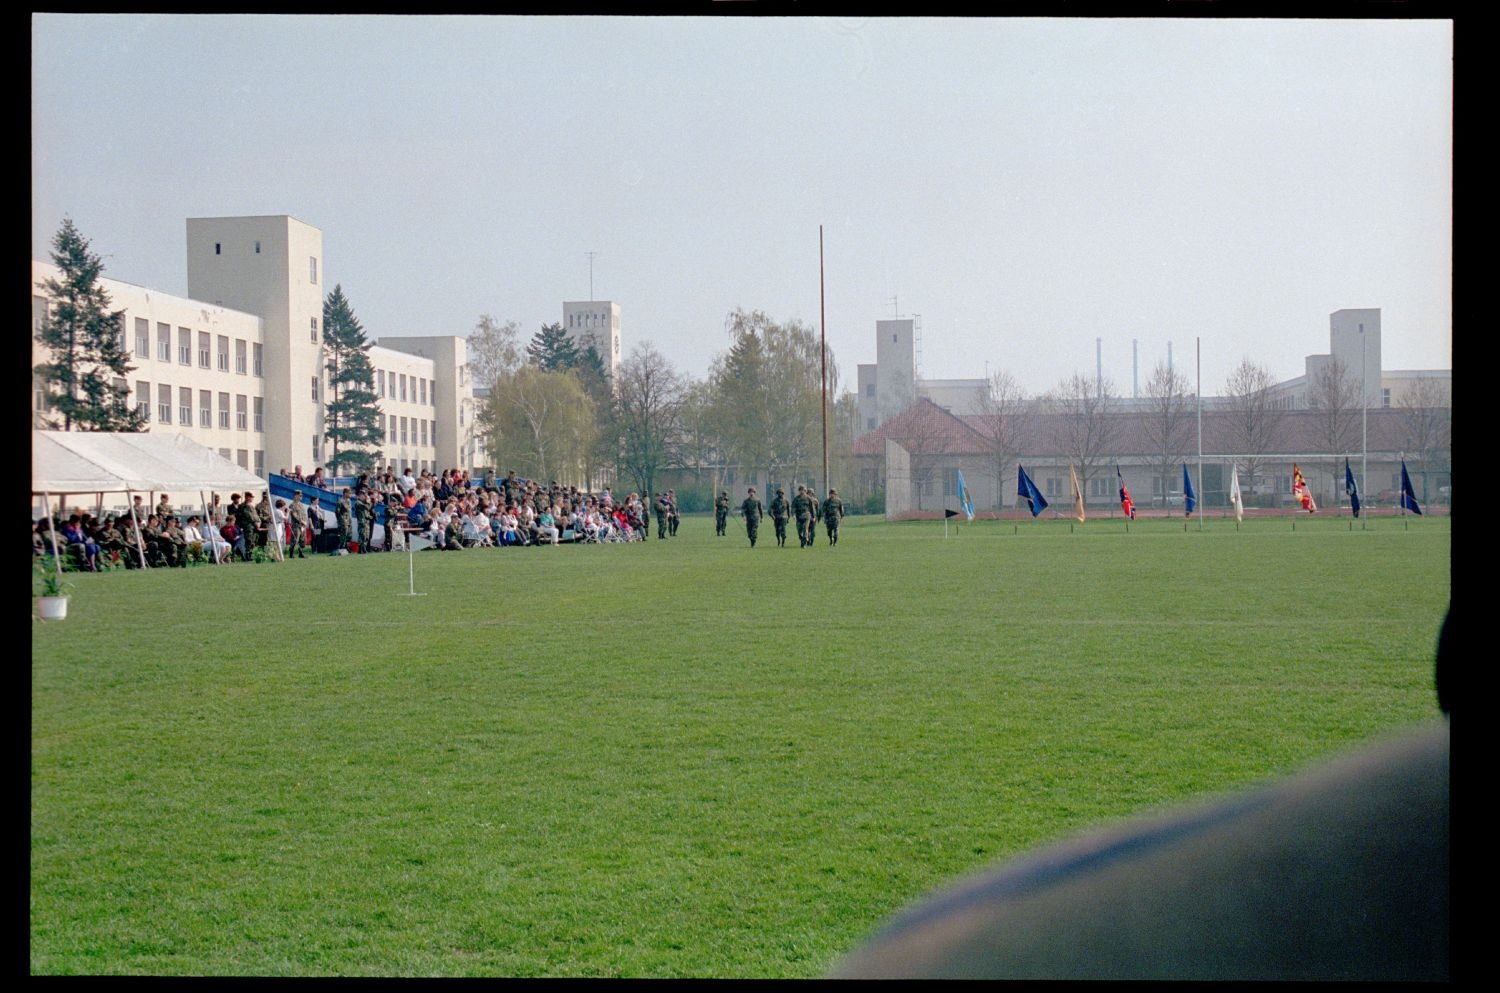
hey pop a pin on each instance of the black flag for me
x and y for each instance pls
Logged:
(949, 513)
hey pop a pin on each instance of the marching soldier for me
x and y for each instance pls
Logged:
(674, 513)
(780, 511)
(833, 512)
(752, 510)
(721, 512)
(812, 516)
(803, 509)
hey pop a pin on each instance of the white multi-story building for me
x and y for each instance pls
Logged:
(891, 384)
(597, 323)
(238, 364)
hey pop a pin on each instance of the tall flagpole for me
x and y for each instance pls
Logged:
(1198, 345)
(823, 353)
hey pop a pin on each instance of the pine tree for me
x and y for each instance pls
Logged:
(352, 415)
(85, 377)
(552, 350)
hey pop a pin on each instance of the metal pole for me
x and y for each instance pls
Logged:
(1198, 346)
(823, 352)
(52, 527)
(1364, 416)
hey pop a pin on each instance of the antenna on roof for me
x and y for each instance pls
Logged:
(591, 273)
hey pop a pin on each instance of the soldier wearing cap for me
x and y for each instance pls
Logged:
(833, 512)
(752, 510)
(721, 512)
(781, 510)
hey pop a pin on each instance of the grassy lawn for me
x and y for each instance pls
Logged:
(682, 758)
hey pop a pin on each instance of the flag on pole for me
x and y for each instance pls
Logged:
(949, 513)
(1026, 490)
(1408, 495)
(1126, 504)
(420, 542)
(1189, 497)
(1235, 500)
(1077, 496)
(1300, 491)
(963, 495)
(1350, 488)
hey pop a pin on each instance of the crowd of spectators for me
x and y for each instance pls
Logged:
(448, 510)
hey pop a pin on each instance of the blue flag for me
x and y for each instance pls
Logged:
(1026, 490)
(1189, 498)
(1351, 489)
(1408, 495)
(963, 495)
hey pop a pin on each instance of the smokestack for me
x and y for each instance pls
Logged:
(1099, 365)
(1135, 368)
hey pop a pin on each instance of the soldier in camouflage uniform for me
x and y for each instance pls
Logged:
(163, 511)
(297, 513)
(344, 513)
(674, 513)
(833, 512)
(803, 509)
(366, 510)
(247, 520)
(752, 510)
(721, 512)
(173, 532)
(780, 511)
(663, 506)
(812, 517)
(263, 514)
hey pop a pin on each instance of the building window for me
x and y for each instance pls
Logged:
(432, 394)
(403, 430)
(184, 346)
(260, 413)
(143, 398)
(1385, 397)
(239, 356)
(379, 383)
(242, 457)
(257, 355)
(185, 407)
(205, 409)
(869, 424)
(403, 387)
(869, 389)
(317, 449)
(312, 269)
(164, 403)
(434, 434)
(164, 342)
(423, 422)
(41, 401)
(260, 462)
(224, 411)
(423, 384)
(205, 348)
(315, 389)
(1052, 487)
(225, 454)
(216, 248)
(241, 412)
(223, 353)
(461, 413)
(315, 330)
(142, 338)
(257, 248)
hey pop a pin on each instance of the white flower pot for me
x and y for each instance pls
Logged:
(52, 608)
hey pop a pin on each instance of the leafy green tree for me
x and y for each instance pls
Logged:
(551, 350)
(352, 414)
(542, 424)
(84, 378)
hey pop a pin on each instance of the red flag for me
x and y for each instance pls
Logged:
(1126, 504)
(1300, 492)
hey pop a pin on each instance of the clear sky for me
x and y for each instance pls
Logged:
(1024, 185)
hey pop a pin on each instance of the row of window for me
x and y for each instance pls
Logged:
(248, 356)
(312, 261)
(242, 458)
(245, 407)
(416, 387)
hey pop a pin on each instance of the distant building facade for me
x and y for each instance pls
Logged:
(597, 323)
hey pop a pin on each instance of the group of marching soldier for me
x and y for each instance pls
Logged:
(804, 507)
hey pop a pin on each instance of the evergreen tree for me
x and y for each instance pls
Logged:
(352, 416)
(551, 350)
(85, 377)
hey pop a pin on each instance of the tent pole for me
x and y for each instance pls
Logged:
(140, 545)
(52, 527)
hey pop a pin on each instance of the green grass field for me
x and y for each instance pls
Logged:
(681, 758)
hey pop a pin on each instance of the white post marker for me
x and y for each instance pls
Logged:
(414, 542)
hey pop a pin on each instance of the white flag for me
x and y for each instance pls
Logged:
(419, 542)
(1234, 494)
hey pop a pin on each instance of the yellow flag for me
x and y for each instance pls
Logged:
(1077, 496)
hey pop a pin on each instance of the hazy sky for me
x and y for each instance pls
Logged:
(1025, 185)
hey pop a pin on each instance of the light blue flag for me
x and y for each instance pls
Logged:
(1189, 498)
(1026, 490)
(963, 495)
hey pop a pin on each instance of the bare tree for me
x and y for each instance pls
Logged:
(1085, 428)
(925, 430)
(1427, 428)
(1334, 395)
(1252, 416)
(1168, 423)
(647, 409)
(1005, 412)
(493, 350)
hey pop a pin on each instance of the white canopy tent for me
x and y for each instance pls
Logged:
(99, 462)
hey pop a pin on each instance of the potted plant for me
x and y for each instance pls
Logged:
(52, 601)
